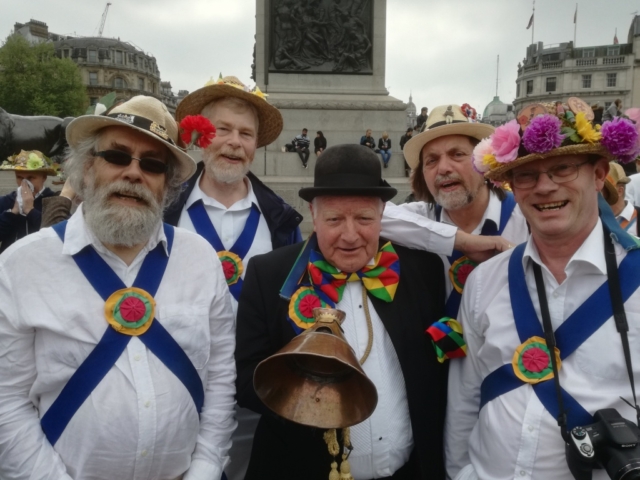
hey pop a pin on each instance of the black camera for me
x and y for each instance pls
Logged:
(610, 443)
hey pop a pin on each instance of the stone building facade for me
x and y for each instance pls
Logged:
(106, 64)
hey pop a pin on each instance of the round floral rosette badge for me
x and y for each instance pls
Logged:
(459, 272)
(301, 306)
(130, 311)
(532, 361)
(231, 266)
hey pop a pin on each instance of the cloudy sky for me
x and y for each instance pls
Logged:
(441, 51)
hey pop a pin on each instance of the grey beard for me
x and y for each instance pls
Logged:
(120, 225)
(224, 173)
(455, 200)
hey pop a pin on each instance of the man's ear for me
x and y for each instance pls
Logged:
(601, 169)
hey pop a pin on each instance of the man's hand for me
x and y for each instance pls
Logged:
(27, 197)
(67, 191)
(480, 248)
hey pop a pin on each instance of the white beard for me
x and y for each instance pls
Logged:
(225, 172)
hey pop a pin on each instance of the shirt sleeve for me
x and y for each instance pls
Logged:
(463, 399)
(25, 453)
(409, 226)
(217, 420)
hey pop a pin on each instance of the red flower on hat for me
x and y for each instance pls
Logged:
(197, 129)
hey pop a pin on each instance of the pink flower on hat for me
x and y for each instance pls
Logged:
(506, 141)
(483, 148)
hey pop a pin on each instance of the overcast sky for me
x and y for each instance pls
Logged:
(441, 51)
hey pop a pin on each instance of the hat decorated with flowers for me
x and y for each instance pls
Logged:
(30, 161)
(552, 134)
(270, 121)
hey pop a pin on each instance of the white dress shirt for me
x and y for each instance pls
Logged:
(627, 214)
(632, 190)
(514, 436)
(140, 422)
(229, 223)
(382, 443)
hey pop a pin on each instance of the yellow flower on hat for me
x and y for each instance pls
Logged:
(257, 92)
(34, 162)
(585, 129)
(491, 161)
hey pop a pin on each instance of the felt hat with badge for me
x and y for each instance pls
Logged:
(348, 170)
(444, 120)
(144, 114)
(269, 117)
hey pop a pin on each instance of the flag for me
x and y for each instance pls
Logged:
(615, 38)
(530, 22)
(575, 15)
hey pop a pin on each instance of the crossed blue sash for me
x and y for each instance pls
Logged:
(112, 344)
(205, 229)
(574, 331)
(488, 229)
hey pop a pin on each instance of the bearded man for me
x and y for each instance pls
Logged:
(451, 191)
(149, 392)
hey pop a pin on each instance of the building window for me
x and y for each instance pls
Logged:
(613, 51)
(65, 53)
(93, 78)
(93, 100)
(551, 84)
(92, 56)
(612, 79)
(517, 90)
(119, 57)
(118, 82)
(529, 86)
(586, 81)
(140, 83)
(588, 53)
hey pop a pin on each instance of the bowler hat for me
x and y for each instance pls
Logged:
(348, 170)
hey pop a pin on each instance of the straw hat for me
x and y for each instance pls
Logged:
(615, 176)
(144, 114)
(444, 120)
(269, 117)
(549, 135)
(30, 161)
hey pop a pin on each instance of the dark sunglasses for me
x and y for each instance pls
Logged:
(123, 159)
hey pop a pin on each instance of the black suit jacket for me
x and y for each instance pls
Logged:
(284, 450)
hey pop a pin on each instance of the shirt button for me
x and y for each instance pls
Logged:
(380, 438)
(147, 404)
(531, 428)
(143, 453)
(137, 358)
(555, 294)
(522, 473)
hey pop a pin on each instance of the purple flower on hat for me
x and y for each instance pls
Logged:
(624, 159)
(619, 137)
(543, 134)
(506, 141)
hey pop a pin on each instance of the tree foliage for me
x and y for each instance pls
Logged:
(34, 81)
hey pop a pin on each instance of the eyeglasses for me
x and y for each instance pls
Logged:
(123, 159)
(563, 173)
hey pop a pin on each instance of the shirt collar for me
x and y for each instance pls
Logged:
(242, 204)
(492, 212)
(590, 252)
(627, 211)
(78, 235)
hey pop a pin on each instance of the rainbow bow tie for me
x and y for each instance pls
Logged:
(380, 279)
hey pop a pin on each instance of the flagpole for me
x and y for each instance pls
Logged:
(575, 26)
(533, 25)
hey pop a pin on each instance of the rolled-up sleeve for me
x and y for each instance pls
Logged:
(408, 225)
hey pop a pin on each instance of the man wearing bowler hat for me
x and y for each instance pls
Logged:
(127, 371)
(390, 296)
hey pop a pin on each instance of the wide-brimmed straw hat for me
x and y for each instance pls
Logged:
(552, 134)
(31, 161)
(269, 117)
(348, 170)
(144, 114)
(444, 120)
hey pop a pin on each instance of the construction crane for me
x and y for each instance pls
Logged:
(104, 19)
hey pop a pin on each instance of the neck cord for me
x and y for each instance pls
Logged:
(619, 316)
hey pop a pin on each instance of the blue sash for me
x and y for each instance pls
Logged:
(205, 229)
(574, 331)
(488, 229)
(112, 344)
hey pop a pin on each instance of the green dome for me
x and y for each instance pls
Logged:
(495, 106)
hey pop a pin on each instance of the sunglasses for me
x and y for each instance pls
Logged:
(123, 159)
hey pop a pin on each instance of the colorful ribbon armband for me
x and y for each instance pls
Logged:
(446, 335)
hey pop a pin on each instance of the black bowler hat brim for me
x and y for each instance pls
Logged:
(348, 171)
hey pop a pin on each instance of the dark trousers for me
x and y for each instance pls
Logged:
(303, 153)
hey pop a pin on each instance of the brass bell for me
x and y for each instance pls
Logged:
(316, 379)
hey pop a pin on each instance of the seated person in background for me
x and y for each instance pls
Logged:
(20, 211)
(319, 143)
(367, 140)
(384, 145)
(301, 143)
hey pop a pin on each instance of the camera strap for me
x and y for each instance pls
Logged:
(619, 316)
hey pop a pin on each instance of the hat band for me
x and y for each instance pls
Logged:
(145, 124)
(347, 180)
(440, 124)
